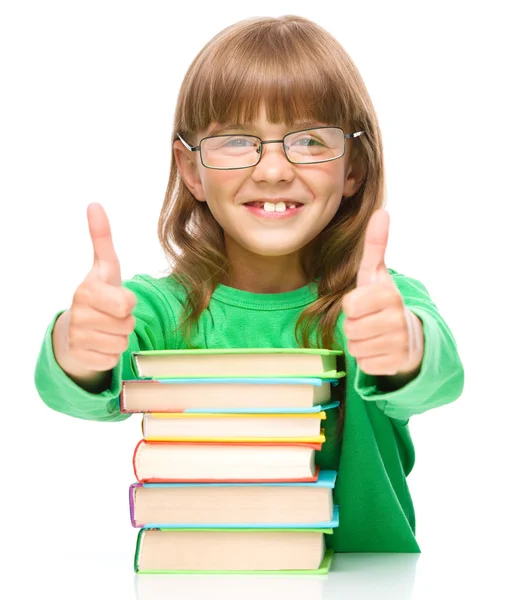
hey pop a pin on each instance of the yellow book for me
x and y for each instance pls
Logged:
(234, 427)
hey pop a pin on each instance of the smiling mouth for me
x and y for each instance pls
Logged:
(272, 207)
(271, 210)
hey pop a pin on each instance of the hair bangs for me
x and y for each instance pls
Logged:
(294, 79)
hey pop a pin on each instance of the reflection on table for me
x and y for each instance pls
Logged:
(368, 575)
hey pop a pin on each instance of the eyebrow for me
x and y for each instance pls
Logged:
(240, 127)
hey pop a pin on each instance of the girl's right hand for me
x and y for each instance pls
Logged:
(98, 323)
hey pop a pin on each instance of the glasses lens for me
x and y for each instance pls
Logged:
(315, 145)
(230, 151)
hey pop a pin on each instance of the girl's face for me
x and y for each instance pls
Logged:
(319, 187)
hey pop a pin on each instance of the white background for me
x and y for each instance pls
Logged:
(87, 102)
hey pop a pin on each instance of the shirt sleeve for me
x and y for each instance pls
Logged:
(441, 376)
(153, 322)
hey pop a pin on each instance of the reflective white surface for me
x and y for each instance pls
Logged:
(357, 576)
(353, 576)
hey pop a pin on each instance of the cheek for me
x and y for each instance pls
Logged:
(220, 184)
(330, 179)
(220, 189)
(327, 187)
(325, 180)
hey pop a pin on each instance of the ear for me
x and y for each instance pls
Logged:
(353, 178)
(189, 170)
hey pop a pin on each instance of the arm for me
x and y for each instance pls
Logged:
(438, 380)
(98, 398)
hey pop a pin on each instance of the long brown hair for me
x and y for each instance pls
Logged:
(300, 72)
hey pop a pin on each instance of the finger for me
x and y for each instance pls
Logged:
(377, 346)
(96, 361)
(98, 341)
(375, 245)
(105, 298)
(379, 365)
(105, 257)
(89, 318)
(386, 322)
(369, 300)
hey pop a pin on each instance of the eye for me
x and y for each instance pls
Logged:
(239, 142)
(307, 141)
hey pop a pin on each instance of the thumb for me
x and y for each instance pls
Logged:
(375, 245)
(104, 255)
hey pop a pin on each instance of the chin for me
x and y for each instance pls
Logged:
(263, 247)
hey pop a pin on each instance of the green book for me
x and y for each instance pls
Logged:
(237, 363)
(215, 550)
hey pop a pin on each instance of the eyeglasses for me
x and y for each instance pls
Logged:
(306, 146)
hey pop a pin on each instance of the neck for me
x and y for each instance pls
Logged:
(263, 274)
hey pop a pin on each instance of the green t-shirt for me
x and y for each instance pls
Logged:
(373, 452)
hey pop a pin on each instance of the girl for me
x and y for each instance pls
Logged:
(274, 227)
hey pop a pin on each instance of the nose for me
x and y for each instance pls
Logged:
(274, 165)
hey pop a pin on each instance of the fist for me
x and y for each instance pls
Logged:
(383, 335)
(100, 318)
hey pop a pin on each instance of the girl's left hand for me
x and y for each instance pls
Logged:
(383, 335)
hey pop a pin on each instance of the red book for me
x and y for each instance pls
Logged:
(159, 462)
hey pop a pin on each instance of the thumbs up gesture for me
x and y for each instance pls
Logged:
(383, 335)
(100, 320)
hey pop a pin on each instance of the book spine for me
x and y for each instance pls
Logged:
(132, 493)
(121, 398)
(137, 550)
(135, 454)
(134, 366)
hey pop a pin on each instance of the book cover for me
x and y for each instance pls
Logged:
(323, 568)
(230, 362)
(325, 479)
(225, 393)
(143, 442)
(221, 427)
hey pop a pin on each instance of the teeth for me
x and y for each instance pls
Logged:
(274, 206)
(271, 207)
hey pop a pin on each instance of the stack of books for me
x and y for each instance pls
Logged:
(226, 472)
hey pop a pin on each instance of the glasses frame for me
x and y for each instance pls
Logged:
(347, 136)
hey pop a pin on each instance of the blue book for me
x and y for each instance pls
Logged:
(235, 505)
(227, 394)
